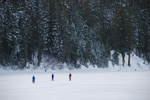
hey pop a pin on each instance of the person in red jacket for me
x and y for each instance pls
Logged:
(70, 76)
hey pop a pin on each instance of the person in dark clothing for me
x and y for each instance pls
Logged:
(33, 79)
(70, 76)
(52, 77)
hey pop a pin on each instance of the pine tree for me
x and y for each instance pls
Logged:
(119, 30)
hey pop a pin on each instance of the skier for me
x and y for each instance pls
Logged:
(70, 76)
(52, 77)
(33, 79)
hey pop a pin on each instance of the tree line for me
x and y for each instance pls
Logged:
(75, 32)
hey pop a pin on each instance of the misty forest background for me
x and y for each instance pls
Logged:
(75, 32)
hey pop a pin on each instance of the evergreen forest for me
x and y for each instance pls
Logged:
(75, 32)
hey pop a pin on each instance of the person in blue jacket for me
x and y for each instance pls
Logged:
(52, 77)
(33, 79)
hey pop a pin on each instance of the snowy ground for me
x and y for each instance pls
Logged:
(133, 85)
(111, 83)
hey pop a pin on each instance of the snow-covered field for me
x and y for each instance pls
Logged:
(133, 85)
(111, 83)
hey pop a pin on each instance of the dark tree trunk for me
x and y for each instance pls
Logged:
(0, 51)
(123, 58)
(39, 54)
(25, 54)
(129, 54)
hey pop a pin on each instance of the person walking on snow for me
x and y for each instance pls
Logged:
(70, 76)
(52, 77)
(33, 79)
